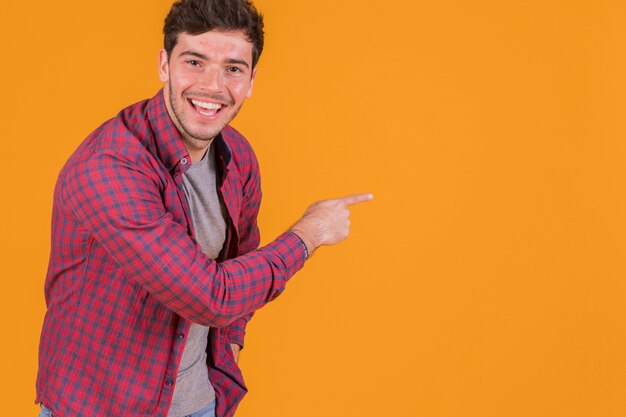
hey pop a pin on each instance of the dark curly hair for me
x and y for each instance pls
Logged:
(199, 16)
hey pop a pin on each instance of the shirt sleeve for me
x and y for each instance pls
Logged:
(120, 205)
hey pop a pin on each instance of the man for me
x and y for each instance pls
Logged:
(154, 269)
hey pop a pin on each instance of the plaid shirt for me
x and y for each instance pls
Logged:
(126, 277)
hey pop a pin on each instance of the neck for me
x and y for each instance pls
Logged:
(196, 148)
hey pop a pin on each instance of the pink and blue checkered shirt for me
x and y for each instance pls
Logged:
(126, 277)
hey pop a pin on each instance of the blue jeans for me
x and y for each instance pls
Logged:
(45, 412)
(208, 411)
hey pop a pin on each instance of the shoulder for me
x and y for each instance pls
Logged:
(125, 135)
(118, 141)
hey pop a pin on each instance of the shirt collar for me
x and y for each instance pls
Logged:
(221, 147)
(169, 145)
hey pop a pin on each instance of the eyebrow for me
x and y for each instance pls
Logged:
(194, 54)
(238, 61)
(202, 56)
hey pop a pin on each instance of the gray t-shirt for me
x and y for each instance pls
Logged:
(193, 390)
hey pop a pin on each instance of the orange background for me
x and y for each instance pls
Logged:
(487, 276)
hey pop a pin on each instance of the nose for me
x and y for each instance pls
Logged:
(212, 80)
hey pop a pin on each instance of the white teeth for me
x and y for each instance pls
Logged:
(208, 106)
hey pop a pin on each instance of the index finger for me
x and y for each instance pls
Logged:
(350, 200)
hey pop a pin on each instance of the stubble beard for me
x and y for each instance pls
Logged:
(198, 139)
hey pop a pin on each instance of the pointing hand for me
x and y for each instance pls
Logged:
(327, 222)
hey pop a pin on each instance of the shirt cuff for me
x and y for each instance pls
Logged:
(306, 250)
(289, 248)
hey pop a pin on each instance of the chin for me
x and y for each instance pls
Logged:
(206, 134)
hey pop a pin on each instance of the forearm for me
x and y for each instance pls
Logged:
(216, 294)
(154, 250)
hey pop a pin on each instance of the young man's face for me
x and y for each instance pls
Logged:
(206, 80)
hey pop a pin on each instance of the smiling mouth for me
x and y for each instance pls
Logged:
(206, 108)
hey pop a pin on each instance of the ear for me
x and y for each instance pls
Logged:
(164, 66)
(249, 93)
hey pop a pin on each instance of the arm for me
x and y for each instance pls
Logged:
(122, 208)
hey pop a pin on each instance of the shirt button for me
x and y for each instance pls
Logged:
(169, 382)
(180, 335)
(184, 161)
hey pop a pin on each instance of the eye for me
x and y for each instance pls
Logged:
(234, 70)
(193, 62)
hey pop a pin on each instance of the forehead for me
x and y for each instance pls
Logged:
(215, 44)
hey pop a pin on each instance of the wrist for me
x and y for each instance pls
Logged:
(306, 240)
